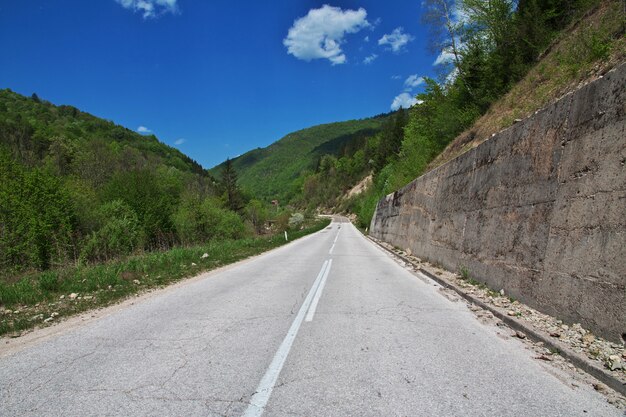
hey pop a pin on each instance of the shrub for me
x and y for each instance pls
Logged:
(256, 212)
(282, 221)
(199, 220)
(296, 220)
(36, 217)
(229, 225)
(119, 233)
(49, 282)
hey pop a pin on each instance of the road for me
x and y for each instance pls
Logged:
(328, 325)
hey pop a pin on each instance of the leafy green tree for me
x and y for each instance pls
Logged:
(147, 194)
(391, 137)
(256, 212)
(446, 32)
(229, 225)
(492, 19)
(95, 162)
(36, 217)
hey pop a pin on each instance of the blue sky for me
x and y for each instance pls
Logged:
(216, 78)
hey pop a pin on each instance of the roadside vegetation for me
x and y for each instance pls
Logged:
(79, 190)
(40, 298)
(96, 210)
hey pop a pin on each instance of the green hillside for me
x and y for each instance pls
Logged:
(275, 172)
(35, 129)
(76, 188)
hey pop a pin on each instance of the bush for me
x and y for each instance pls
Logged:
(154, 197)
(119, 233)
(229, 226)
(36, 217)
(282, 221)
(199, 220)
(256, 212)
(296, 220)
(49, 282)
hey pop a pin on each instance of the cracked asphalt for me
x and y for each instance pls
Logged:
(382, 342)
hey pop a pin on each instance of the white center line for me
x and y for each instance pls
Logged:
(330, 252)
(318, 294)
(259, 400)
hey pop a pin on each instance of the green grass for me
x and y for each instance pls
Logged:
(465, 273)
(35, 297)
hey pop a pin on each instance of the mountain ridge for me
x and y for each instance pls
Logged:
(273, 172)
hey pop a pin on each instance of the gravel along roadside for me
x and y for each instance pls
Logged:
(587, 358)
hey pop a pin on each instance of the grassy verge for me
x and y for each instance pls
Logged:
(42, 298)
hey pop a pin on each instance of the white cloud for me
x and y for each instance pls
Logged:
(320, 33)
(445, 57)
(459, 15)
(395, 77)
(150, 8)
(179, 141)
(404, 100)
(452, 76)
(366, 39)
(413, 81)
(143, 130)
(396, 39)
(369, 59)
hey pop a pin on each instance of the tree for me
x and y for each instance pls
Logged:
(491, 58)
(234, 200)
(446, 27)
(119, 233)
(257, 214)
(36, 217)
(491, 18)
(198, 220)
(149, 196)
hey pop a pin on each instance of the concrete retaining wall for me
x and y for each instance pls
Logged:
(538, 210)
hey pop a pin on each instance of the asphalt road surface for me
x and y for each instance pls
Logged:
(328, 325)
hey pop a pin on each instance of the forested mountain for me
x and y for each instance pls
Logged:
(78, 188)
(36, 131)
(276, 172)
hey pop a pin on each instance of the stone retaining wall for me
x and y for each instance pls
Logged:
(539, 210)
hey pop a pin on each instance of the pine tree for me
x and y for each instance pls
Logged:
(234, 200)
